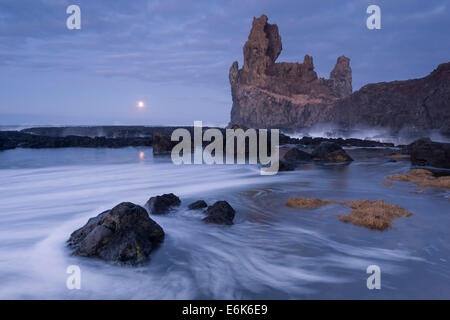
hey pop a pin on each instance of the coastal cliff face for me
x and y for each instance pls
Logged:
(420, 104)
(267, 94)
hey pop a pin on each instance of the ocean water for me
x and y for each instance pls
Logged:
(271, 252)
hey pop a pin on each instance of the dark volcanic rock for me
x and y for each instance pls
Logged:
(425, 152)
(162, 204)
(420, 104)
(124, 234)
(102, 131)
(197, 205)
(162, 144)
(220, 213)
(283, 95)
(15, 139)
(351, 142)
(286, 166)
(330, 152)
(290, 157)
(6, 144)
(293, 155)
(368, 153)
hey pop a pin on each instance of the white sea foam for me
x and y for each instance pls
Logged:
(271, 252)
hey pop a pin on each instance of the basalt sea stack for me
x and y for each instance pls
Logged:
(270, 94)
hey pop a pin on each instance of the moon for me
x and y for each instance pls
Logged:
(141, 104)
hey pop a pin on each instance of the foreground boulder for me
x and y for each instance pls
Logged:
(425, 152)
(197, 205)
(330, 152)
(377, 215)
(162, 204)
(124, 234)
(220, 213)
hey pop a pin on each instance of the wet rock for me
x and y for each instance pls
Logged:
(307, 203)
(294, 155)
(286, 166)
(163, 203)
(16, 139)
(377, 215)
(351, 142)
(425, 152)
(197, 205)
(330, 152)
(370, 153)
(290, 157)
(220, 213)
(124, 234)
(6, 144)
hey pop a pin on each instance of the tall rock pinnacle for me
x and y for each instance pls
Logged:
(260, 68)
(263, 46)
(341, 77)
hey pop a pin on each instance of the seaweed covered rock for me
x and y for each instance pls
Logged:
(162, 204)
(125, 234)
(307, 203)
(377, 215)
(422, 177)
(220, 213)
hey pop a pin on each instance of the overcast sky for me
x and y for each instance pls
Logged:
(175, 54)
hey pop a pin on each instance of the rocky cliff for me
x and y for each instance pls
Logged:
(291, 96)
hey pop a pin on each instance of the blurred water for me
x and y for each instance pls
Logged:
(271, 252)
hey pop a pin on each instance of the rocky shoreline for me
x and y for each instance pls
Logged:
(422, 152)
